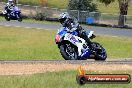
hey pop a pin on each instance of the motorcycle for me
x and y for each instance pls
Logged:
(14, 15)
(73, 47)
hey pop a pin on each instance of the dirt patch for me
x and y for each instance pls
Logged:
(26, 69)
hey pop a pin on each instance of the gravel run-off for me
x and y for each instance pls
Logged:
(27, 69)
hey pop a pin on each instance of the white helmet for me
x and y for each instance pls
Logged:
(63, 17)
(10, 0)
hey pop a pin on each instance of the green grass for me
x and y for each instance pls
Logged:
(27, 44)
(58, 3)
(117, 47)
(63, 4)
(63, 79)
(35, 44)
(41, 22)
(51, 3)
(33, 20)
(112, 8)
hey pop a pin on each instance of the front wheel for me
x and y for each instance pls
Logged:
(20, 19)
(7, 17)
(68, 52)
(100, 52)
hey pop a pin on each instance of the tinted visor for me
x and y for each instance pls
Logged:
(62, 20)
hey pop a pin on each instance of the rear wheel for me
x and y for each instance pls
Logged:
(68, 52)
(100, 52)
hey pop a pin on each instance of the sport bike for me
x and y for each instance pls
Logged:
(73, 47)
(14, 15)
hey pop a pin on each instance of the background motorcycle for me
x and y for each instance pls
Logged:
(14, 15)
(73, 47)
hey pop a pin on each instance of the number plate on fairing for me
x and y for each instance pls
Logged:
(72, 38)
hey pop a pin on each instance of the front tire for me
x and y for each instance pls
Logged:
(68, 52)
(20, 19)
(101, 54)
(7, 17)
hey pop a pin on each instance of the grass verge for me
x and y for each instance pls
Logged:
(51, 3)
(35, 44)
(63, 79)
(112, 8)
(33, 21)
(63, 4)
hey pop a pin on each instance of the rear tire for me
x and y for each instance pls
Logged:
(68, 55)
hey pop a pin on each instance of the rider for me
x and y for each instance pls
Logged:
(9, 7)
(68, 22)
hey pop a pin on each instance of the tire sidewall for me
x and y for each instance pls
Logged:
(64, 55)
(6, 17)
(20, 18)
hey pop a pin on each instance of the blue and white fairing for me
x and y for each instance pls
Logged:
(83, 50)
(80, 43)
(72, 37)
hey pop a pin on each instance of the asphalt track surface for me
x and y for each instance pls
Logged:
(108, 61)
(98, 30)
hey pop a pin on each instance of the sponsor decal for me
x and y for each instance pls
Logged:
(85, 53)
